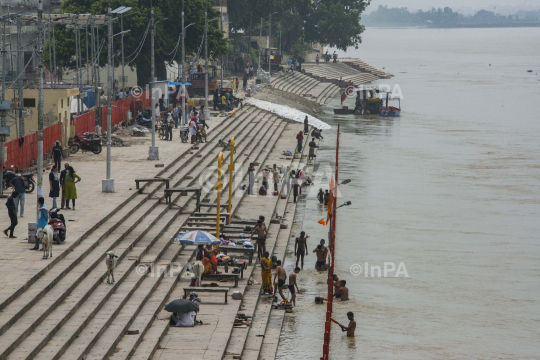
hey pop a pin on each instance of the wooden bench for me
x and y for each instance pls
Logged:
(223, 276)
(239, 249)
(137, 181)
(207, 289)
(169, 192)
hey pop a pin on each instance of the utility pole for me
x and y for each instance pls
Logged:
(78, 73)
(95, 73)
(181, 72)
(280, 53)
(39, 54)
(221, 28)
(123, 74)
(269, 45)
(20, 81)
(260, 47)
(3, 119)
(54, 59)
(107, 185)
(98, 76)
(87, 58)
(206, 60)
(154, 151)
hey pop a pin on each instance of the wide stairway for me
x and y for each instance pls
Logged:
(306, 86)
(70, 312)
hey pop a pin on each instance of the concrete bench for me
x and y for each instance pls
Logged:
(206, 289)
(223, 276)
(169, 192)
(239, 249)
(138, 181)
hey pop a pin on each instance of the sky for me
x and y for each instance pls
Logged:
(503, 7)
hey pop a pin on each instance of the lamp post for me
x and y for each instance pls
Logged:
(219, 187)
(269, 44)
(107, 185)
(231, 170)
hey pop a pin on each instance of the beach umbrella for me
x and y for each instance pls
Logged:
(197, 237)
(181, 306)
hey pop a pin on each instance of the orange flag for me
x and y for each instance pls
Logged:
(322, 222)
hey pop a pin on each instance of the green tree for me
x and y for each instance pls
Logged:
(167, 33)
(333, 23)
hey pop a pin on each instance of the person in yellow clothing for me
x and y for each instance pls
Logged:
(69, 182)
(266, 273)
(223, 102)
(233, 85)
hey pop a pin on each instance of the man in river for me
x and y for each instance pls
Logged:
(279, 279)
(261, 230)
(342, 292)
(292, 284)
(336, 282)
(352, 325)
(320, 265)
(300, 248)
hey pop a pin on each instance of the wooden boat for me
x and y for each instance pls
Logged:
(390, 111)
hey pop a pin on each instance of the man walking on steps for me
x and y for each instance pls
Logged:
(12, 212)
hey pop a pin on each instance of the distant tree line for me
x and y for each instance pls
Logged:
(446, 17)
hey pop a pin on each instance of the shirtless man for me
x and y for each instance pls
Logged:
(279, 279)
(300, 248)
(352, 325)
(343, 292)
(320, 265)
(336, 282)
(292, 284)
(261, 230)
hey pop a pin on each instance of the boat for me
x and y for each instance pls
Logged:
(390, 111)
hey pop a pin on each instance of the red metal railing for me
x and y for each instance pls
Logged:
(21, 152)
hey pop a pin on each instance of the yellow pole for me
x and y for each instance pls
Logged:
(231, 169)
(219, 186)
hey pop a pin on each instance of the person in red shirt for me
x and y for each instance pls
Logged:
(300, 138)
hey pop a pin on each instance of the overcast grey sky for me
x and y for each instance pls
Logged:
(465, 6)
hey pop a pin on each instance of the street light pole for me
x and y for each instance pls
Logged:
(107, 185)
(19, 70)
(269, 45)
(260, 47)
(123, 74)
(3, 120)
(206, 60)
(40, 104)
(181, 72)
(154, 151)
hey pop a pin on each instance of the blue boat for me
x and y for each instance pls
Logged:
(390, 111)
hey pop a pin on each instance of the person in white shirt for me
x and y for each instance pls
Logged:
(157, 112)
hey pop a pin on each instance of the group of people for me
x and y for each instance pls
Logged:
(60, 185)
(248, 72)
(301, 250)
(293, 64)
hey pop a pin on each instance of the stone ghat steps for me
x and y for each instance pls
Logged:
(334, 72)
(244, 341)
(65, 282)
(99, 338)
(306, 86)
(149, 344)
(146, 343)
(363, 66)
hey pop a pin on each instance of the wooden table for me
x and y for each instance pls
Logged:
(137, 181)
(169, 192)
(222, 276)
(207, 289)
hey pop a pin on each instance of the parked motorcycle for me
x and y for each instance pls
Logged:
(58, 224)
(9, 175)
(226, 145)
(184, 133)
(85, 144)
(140, 120)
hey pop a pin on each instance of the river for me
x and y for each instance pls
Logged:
(451, 189)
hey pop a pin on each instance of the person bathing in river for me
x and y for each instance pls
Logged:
(292, 284)
(279, 279)
(300, 248)
(261, 230)
(320, 265)
(343, 292)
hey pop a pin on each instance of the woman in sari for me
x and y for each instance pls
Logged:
(266, 273)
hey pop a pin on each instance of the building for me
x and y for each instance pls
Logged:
(56, 108)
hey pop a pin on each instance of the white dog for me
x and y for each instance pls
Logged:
(198, 270)
(46, 236)
(110, 261)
